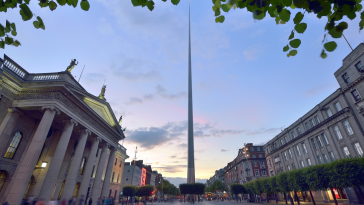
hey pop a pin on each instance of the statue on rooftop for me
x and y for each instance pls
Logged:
(102, 94)
(72, 65)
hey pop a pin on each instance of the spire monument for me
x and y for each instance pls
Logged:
(191, 150)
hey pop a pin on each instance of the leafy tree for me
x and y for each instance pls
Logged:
(145, 191)
(183, 189)
(281, 12)
(27, 14)
(218, 186)
(274, 186)
(199, 188)
(165, 188)
(317, 178)
(237, 189)
(129, 190)
(265, 187)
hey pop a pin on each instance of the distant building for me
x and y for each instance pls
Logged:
(331, 130)
(219, 176)
(137, 174)
(250, 164)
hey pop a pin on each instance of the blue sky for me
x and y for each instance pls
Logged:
(245, 88)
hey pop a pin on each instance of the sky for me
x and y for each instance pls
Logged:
(245, 89)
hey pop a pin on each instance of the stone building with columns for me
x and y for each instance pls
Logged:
(55, 138)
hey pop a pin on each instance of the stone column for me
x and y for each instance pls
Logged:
(105, 186)
(7, 127)
(57, 159)
(70, 184)
(100, 169)
(26, 167)
(88, 169)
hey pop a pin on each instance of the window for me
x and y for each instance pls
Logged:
(304, 148)
(271, 173)
(331, 154)
(302, 164)
(263, 173)
(317, 120)
(325, 158)
(318, 139)
(356, 95)
(285, 139)
(285, 155)
(262, 165)
(255, 164)
(252, 149)
(258, 148)
(298, 151)
(358, 149)
(260, 156)
(346, 152)
(346, 78)
(307, 126)
(117, 181)
(293, 167)
(324, 138)
(328, 112)
(348, 127)
(2, 179)
(112, 178)
(359, 66)
(309, 162)
(281, 142)
(338, 106)
(120, 163)
(292, 135)
(256, 172)
(313, 143)
(93, 169)
(319, 160)
(254, 156)
(116, 161)
(312, 123)
(290, 154)
(13, 145)
(337, 132)
(97, 152)
(298, 131)
(288, 168)
(82, 165)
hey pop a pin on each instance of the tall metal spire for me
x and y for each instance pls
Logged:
(191, 150)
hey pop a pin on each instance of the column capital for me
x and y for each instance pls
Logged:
(72, 121)
(87, 131)
(14, 109)
(98, 138)
(112, 148)
(51, 107)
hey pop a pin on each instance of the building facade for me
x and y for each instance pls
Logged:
(250, 164)
(218, 176)
(137, 174)
(53, 134)
(331, 130)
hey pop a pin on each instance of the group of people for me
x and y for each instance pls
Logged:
(72, 201)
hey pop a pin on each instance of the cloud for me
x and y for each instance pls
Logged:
(160, 91)
(151, 137)
(135, 100)
(258, 32)
(318, 89)
(224, 150)
(105, 27)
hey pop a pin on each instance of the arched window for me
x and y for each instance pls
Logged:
(82, 165)
(60, 191)
(2, 179)
(116, 161)
(77, 187)
(13, 145)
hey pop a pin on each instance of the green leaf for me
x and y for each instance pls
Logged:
(299, 3)
(85, 5)
(25, 12)
(298, 18)
(323, 54)
(271, 11)
(7, 27)
(36, 24)
(287, 2)
(221, 19)
(175, 2)
(293, 52)
(150, 5)
(62, 2)
(13, 33)
(259, 15)
(16, 43)
(286, 48)
(13, 26)
(300, 28)
(217, 12)
(217, 4)
(295, 43)
(2, 44)
(277, 20)
(74, 3)
(291, 36)
(335, 34)
(225, 8)
(285, 15)
(43, 3)
(341, 26)
(27, 1)
(9, 40)
(330, 46)
(2, 31)
(52, 5)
